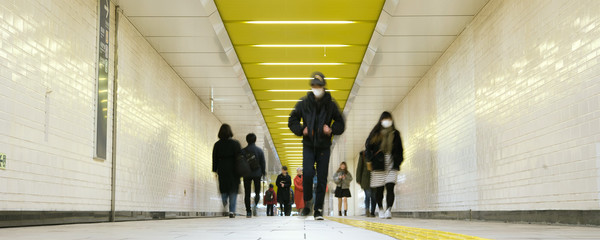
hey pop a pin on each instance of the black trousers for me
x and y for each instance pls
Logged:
(390, 196)
(247, 189)
(286, 209)
(269, 209)
(320, 157)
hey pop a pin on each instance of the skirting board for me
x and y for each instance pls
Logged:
(576, 217)
(36, 218)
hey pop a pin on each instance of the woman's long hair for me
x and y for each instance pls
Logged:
(345, 170)
(375, 134)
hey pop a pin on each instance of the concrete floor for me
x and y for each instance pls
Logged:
(263, 228)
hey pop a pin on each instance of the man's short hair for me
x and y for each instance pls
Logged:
(251, 138)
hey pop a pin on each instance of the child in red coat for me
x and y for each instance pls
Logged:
(270, 199)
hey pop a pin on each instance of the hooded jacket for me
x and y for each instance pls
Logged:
(314, 115)
(377, 157)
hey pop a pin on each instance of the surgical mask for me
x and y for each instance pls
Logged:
(318, 92)
(386, 123)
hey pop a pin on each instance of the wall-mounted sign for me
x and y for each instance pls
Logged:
(102, 100)
(2, 161)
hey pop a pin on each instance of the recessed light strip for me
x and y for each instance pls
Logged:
(304, 78)
(300, 22)
(300, 45)
(301, 64)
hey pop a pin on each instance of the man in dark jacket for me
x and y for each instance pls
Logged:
(255, 175)
(363, 177)
(284, 182)
(321, 119)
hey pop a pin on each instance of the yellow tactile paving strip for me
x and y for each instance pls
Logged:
(402, 232)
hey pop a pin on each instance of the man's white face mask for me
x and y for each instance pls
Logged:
(386, 123)
(318, 92)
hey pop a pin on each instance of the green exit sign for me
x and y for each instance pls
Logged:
(2, 161)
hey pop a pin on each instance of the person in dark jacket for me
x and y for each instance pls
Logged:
(363, 177)
(225, 151)
(270, 199)
(385, 152)
(321, 119)
(254, 176)
(284, 182)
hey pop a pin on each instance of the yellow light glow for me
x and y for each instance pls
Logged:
(103, 101)
(103, 91)
(296, 78)
(301, 45)
(300, 22)
(294, 90)
(300, 64)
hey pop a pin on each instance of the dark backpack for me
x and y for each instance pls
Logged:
(269, 196)
(251, 159)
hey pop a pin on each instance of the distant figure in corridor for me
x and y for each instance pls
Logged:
(342, 179)
(299, 190)
(321, 119)
(385, 153)
(363, 177)
(284, 182)
(270, 200)
(254, 176)
(224, 154)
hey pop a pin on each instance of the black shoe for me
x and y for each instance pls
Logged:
(231, 215)
(319, 214)
(305, 211)
(248, 214)
(340, 213)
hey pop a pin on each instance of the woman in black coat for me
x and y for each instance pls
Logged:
(284, 182)
(225, 152)
(385, 154)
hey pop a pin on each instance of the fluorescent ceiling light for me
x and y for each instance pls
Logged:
(288, 151)
(296, 78)
(281, 109)
(282, 116)
(286, 133)
(285, 101)
(292, 139)
(293, 147)
(292, 143)
(295, 90)
(301, 45)
(299, 64)
(300, 22)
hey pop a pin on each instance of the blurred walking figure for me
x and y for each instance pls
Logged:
(363, 177)
(342, 179)
(257, 165)
(224, 154)
(384, 151)
(299, 190)
(317, 118)
(284, 182)
(270, 200)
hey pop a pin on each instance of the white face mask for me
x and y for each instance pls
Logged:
(386, 123)
(318, 92)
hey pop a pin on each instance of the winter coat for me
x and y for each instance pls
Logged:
(224, 154)
(363, 175)
(260, 156)
(283, 192)
(299, 192)
(342, 182)
(274, 201)
(314, 115)
(377, 158)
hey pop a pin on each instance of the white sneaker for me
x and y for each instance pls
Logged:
(381, 213)
(388, 213)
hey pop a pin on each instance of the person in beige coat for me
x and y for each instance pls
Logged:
(342, 179)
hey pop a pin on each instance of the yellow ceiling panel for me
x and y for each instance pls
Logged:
(278, 74)
(249, 53)
(261, 71)
(274, 10)
(263, 84)
(357, 33)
